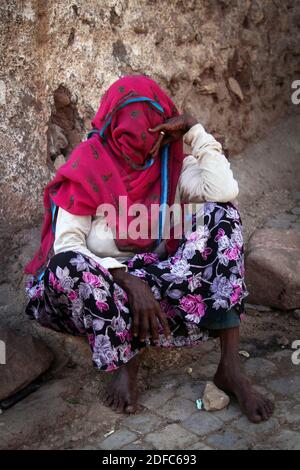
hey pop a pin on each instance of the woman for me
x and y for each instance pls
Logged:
(124, 291)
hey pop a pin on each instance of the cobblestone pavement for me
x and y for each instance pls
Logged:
(170, 420)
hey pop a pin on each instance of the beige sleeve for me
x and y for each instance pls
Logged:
(206, 173)
(70, 235)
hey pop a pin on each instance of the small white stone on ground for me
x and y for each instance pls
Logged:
(244, 354)
(214, 398)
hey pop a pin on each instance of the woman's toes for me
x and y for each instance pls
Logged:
(269, 405)
(251, 408)
(254, 416)
(266, 407)
(264, 412)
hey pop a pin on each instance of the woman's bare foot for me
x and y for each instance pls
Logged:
(122, 392)
(230, 378)
(255, 406)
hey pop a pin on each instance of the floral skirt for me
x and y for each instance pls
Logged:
(200, 288)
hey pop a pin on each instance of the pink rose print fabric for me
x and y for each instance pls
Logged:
(199, 288)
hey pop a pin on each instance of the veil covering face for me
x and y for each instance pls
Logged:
(116, 161)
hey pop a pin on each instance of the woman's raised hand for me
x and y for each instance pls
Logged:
(172, 130)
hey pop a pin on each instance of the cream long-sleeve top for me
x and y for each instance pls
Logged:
(205, 176)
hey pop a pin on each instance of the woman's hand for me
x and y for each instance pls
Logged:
(172, 130)
(145, 309)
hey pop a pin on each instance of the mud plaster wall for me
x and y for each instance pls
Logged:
(229, 62)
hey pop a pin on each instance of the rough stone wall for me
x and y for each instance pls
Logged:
(231, 62)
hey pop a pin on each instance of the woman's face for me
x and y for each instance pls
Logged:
(130, 131)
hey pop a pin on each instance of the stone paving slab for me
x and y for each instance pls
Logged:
(260, 367)
(172, 436)
(288, 414)
(229, 413)
(245, 427)
(154, 399)
(191, 391)
(285, 385)
(285, 439)
(177, 409)
(137, 445)
(203, 423)
(118, 440)
(229, 439)
(199, 446)
(139, 422)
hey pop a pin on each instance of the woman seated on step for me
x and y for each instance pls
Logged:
(109, 271)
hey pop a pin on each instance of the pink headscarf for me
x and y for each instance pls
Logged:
(100, 170)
